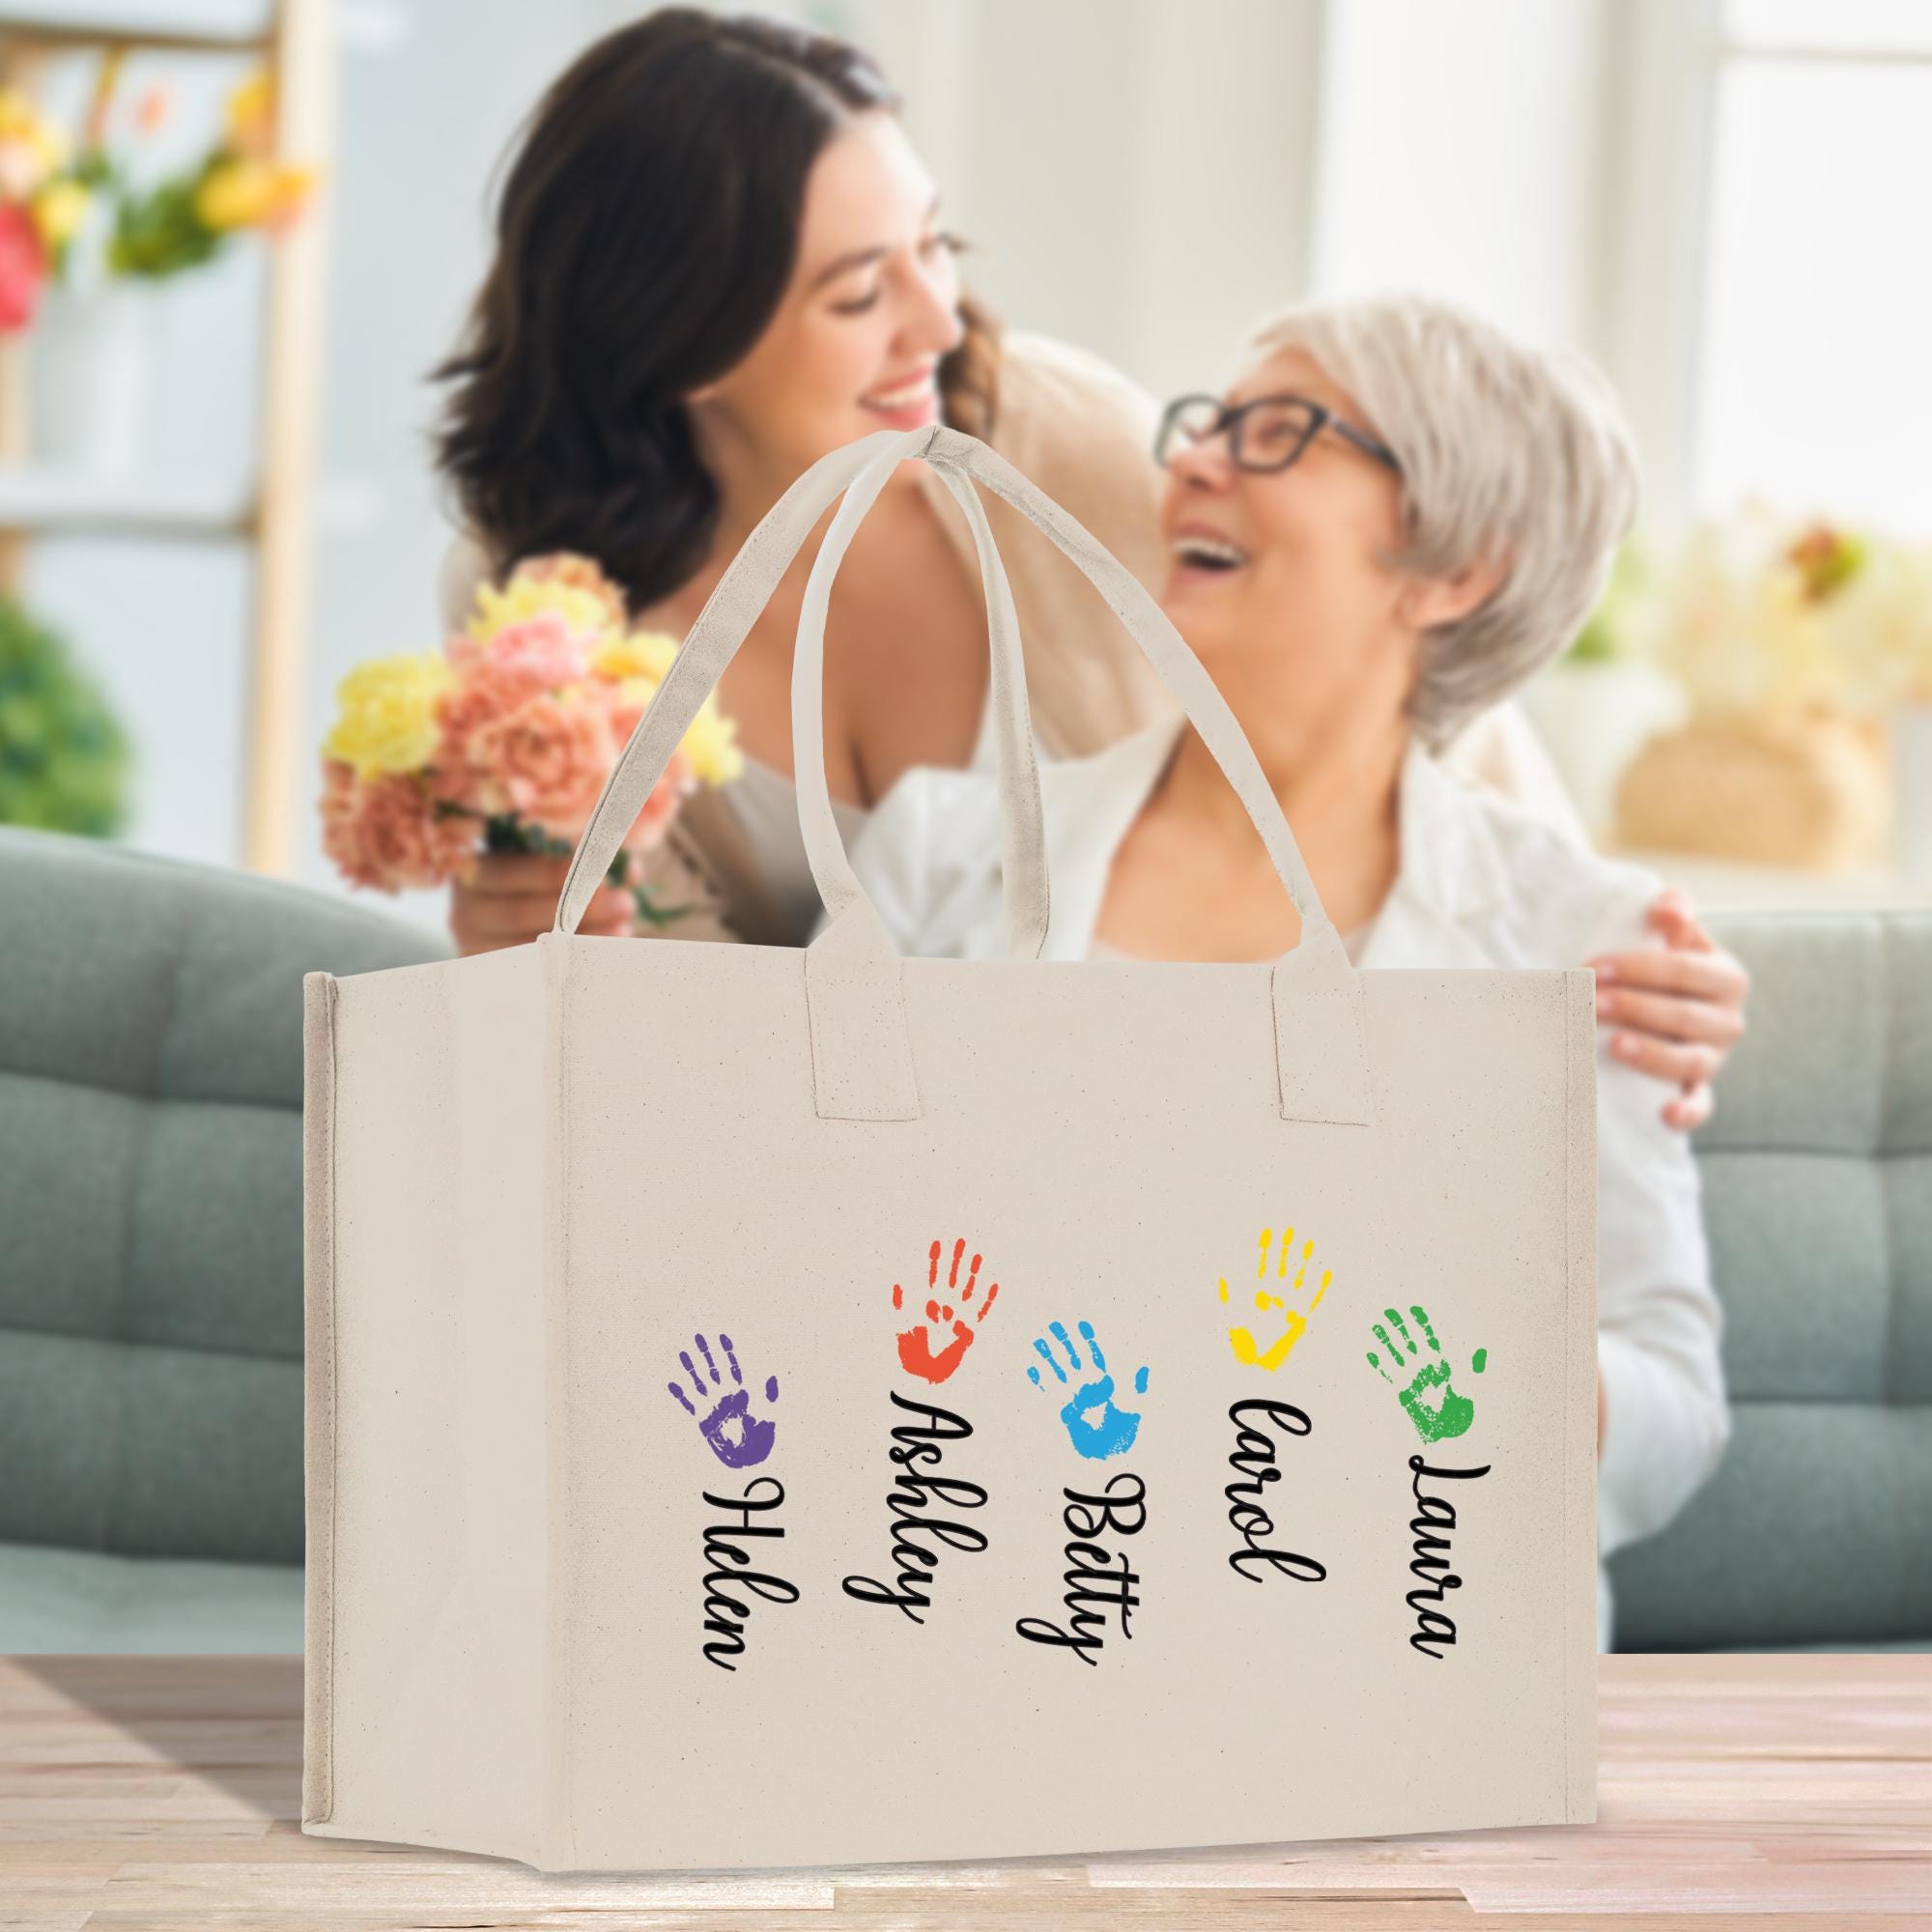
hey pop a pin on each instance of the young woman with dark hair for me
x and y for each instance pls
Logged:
(717, 258)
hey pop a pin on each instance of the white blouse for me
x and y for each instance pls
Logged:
(1482, 882)
(765, 803)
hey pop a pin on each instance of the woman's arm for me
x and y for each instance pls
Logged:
(1664, 1415)
(511, 896)
(1678, 1009)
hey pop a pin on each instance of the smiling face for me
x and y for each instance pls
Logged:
(1293, 565)
(871, 307)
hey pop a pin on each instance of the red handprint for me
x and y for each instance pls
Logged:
(915, 1354)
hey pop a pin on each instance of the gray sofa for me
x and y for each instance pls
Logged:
(151, 1328)
(1816, 1530)
(151, 1300)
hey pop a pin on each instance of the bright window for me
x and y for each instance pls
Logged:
(1816, 352)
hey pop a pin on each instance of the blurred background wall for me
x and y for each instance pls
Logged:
(1702, 194)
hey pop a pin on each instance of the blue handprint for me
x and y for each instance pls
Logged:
(1113, 1433)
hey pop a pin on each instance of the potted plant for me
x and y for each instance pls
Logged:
(64, 758)
(112, 234)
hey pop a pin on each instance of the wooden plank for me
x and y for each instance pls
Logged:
(277, 747)
(53, 503)
(190, 25)
(163, 1793)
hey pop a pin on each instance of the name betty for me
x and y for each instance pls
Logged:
(1094, 1587)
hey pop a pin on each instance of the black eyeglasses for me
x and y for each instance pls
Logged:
(1266, 435)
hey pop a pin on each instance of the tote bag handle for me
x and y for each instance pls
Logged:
(734, 604)
(861, 1052)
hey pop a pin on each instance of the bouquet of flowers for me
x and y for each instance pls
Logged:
(184, 219)
(501, 741)
(1767, 619)
(42, 201)
(51, 188)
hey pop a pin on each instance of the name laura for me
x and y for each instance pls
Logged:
(1434, 1518)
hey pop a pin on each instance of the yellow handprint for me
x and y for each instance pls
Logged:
(1294, 1319)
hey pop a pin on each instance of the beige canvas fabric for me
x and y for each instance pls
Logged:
(780, 1406)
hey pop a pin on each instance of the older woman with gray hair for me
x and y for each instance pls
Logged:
(1393, 517)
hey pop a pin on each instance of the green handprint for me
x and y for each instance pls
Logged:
(1452, 1413)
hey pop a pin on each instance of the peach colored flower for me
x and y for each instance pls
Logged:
(483, 694)
(575, 573)
(541, 652)
(628, 702)
(546, 760)
(669, 792)
(385, 831)
(708, 744)
(547, 587)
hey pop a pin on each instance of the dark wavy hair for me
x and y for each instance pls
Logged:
(646, 233)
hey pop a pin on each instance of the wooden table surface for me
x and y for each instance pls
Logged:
(163, 1793)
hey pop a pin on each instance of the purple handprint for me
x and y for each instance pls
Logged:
(737, 1438)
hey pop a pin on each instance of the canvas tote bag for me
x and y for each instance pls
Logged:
(800, 1407)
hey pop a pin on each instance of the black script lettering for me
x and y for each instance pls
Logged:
(725, 1615)
(917, 1534)
(1091, 1576)
(1431, 1562)
(1254, 1458)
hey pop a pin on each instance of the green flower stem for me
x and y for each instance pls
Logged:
(506, 833)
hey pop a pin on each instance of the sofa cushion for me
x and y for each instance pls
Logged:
(81, 1600)
(151, 1310)
(1817, 1176)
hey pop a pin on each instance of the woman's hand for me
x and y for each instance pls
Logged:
(1678, 1009)
(511, 896)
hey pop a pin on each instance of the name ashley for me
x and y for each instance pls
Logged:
(727, 1561)
(917, 1501)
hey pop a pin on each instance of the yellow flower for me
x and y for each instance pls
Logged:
(386, 720)
(711, 746)
(646, 654)
(252, 194)
(582, 573)
(31, 146)
(58, 211)
(526, 597)
(250, 123)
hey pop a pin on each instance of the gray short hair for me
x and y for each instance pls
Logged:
(1504, 449)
